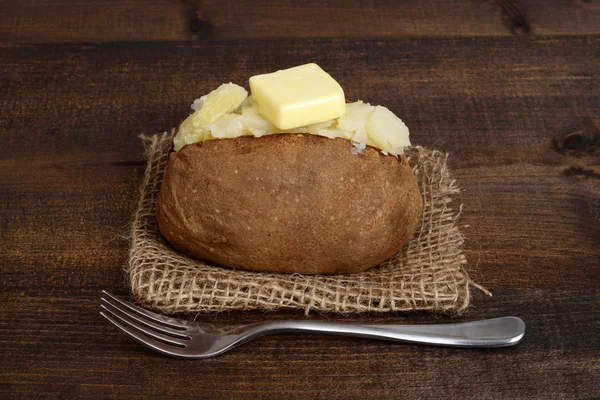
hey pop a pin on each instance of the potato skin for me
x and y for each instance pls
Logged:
(288, 203)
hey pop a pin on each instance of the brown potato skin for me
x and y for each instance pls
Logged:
(288, 203)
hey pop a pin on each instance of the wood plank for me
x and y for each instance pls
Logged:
(432, 83)
(65, 348)
(386, 19)
(91, 21)
(163, 20)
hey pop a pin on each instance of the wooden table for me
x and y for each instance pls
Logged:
(513, 94)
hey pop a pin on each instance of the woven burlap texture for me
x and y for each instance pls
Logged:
(427, 274)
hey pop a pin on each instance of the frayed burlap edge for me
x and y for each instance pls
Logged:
(427, 274)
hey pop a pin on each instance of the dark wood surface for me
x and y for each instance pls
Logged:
(513, 94)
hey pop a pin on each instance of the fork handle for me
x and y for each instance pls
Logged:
(497, 332)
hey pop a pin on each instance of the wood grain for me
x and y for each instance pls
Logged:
(163, 20)
(73, 104)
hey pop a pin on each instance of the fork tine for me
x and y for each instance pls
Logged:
(149, 314)
(148, 341)
(142, 320)
(148, 332)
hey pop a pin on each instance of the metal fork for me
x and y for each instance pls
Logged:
(188, 339)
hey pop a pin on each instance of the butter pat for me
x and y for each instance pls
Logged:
(298, 96)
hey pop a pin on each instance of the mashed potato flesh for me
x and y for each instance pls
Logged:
(228, 112)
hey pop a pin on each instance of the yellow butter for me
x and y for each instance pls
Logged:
(298, 96)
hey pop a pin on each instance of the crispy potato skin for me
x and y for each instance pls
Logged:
(288, 203)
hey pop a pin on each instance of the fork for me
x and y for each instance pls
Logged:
(192, 340)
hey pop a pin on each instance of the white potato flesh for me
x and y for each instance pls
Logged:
(387, 131)
(228, 112)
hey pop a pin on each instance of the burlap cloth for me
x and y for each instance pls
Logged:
(427, 274)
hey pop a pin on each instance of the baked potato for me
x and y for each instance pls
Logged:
(288, 203)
